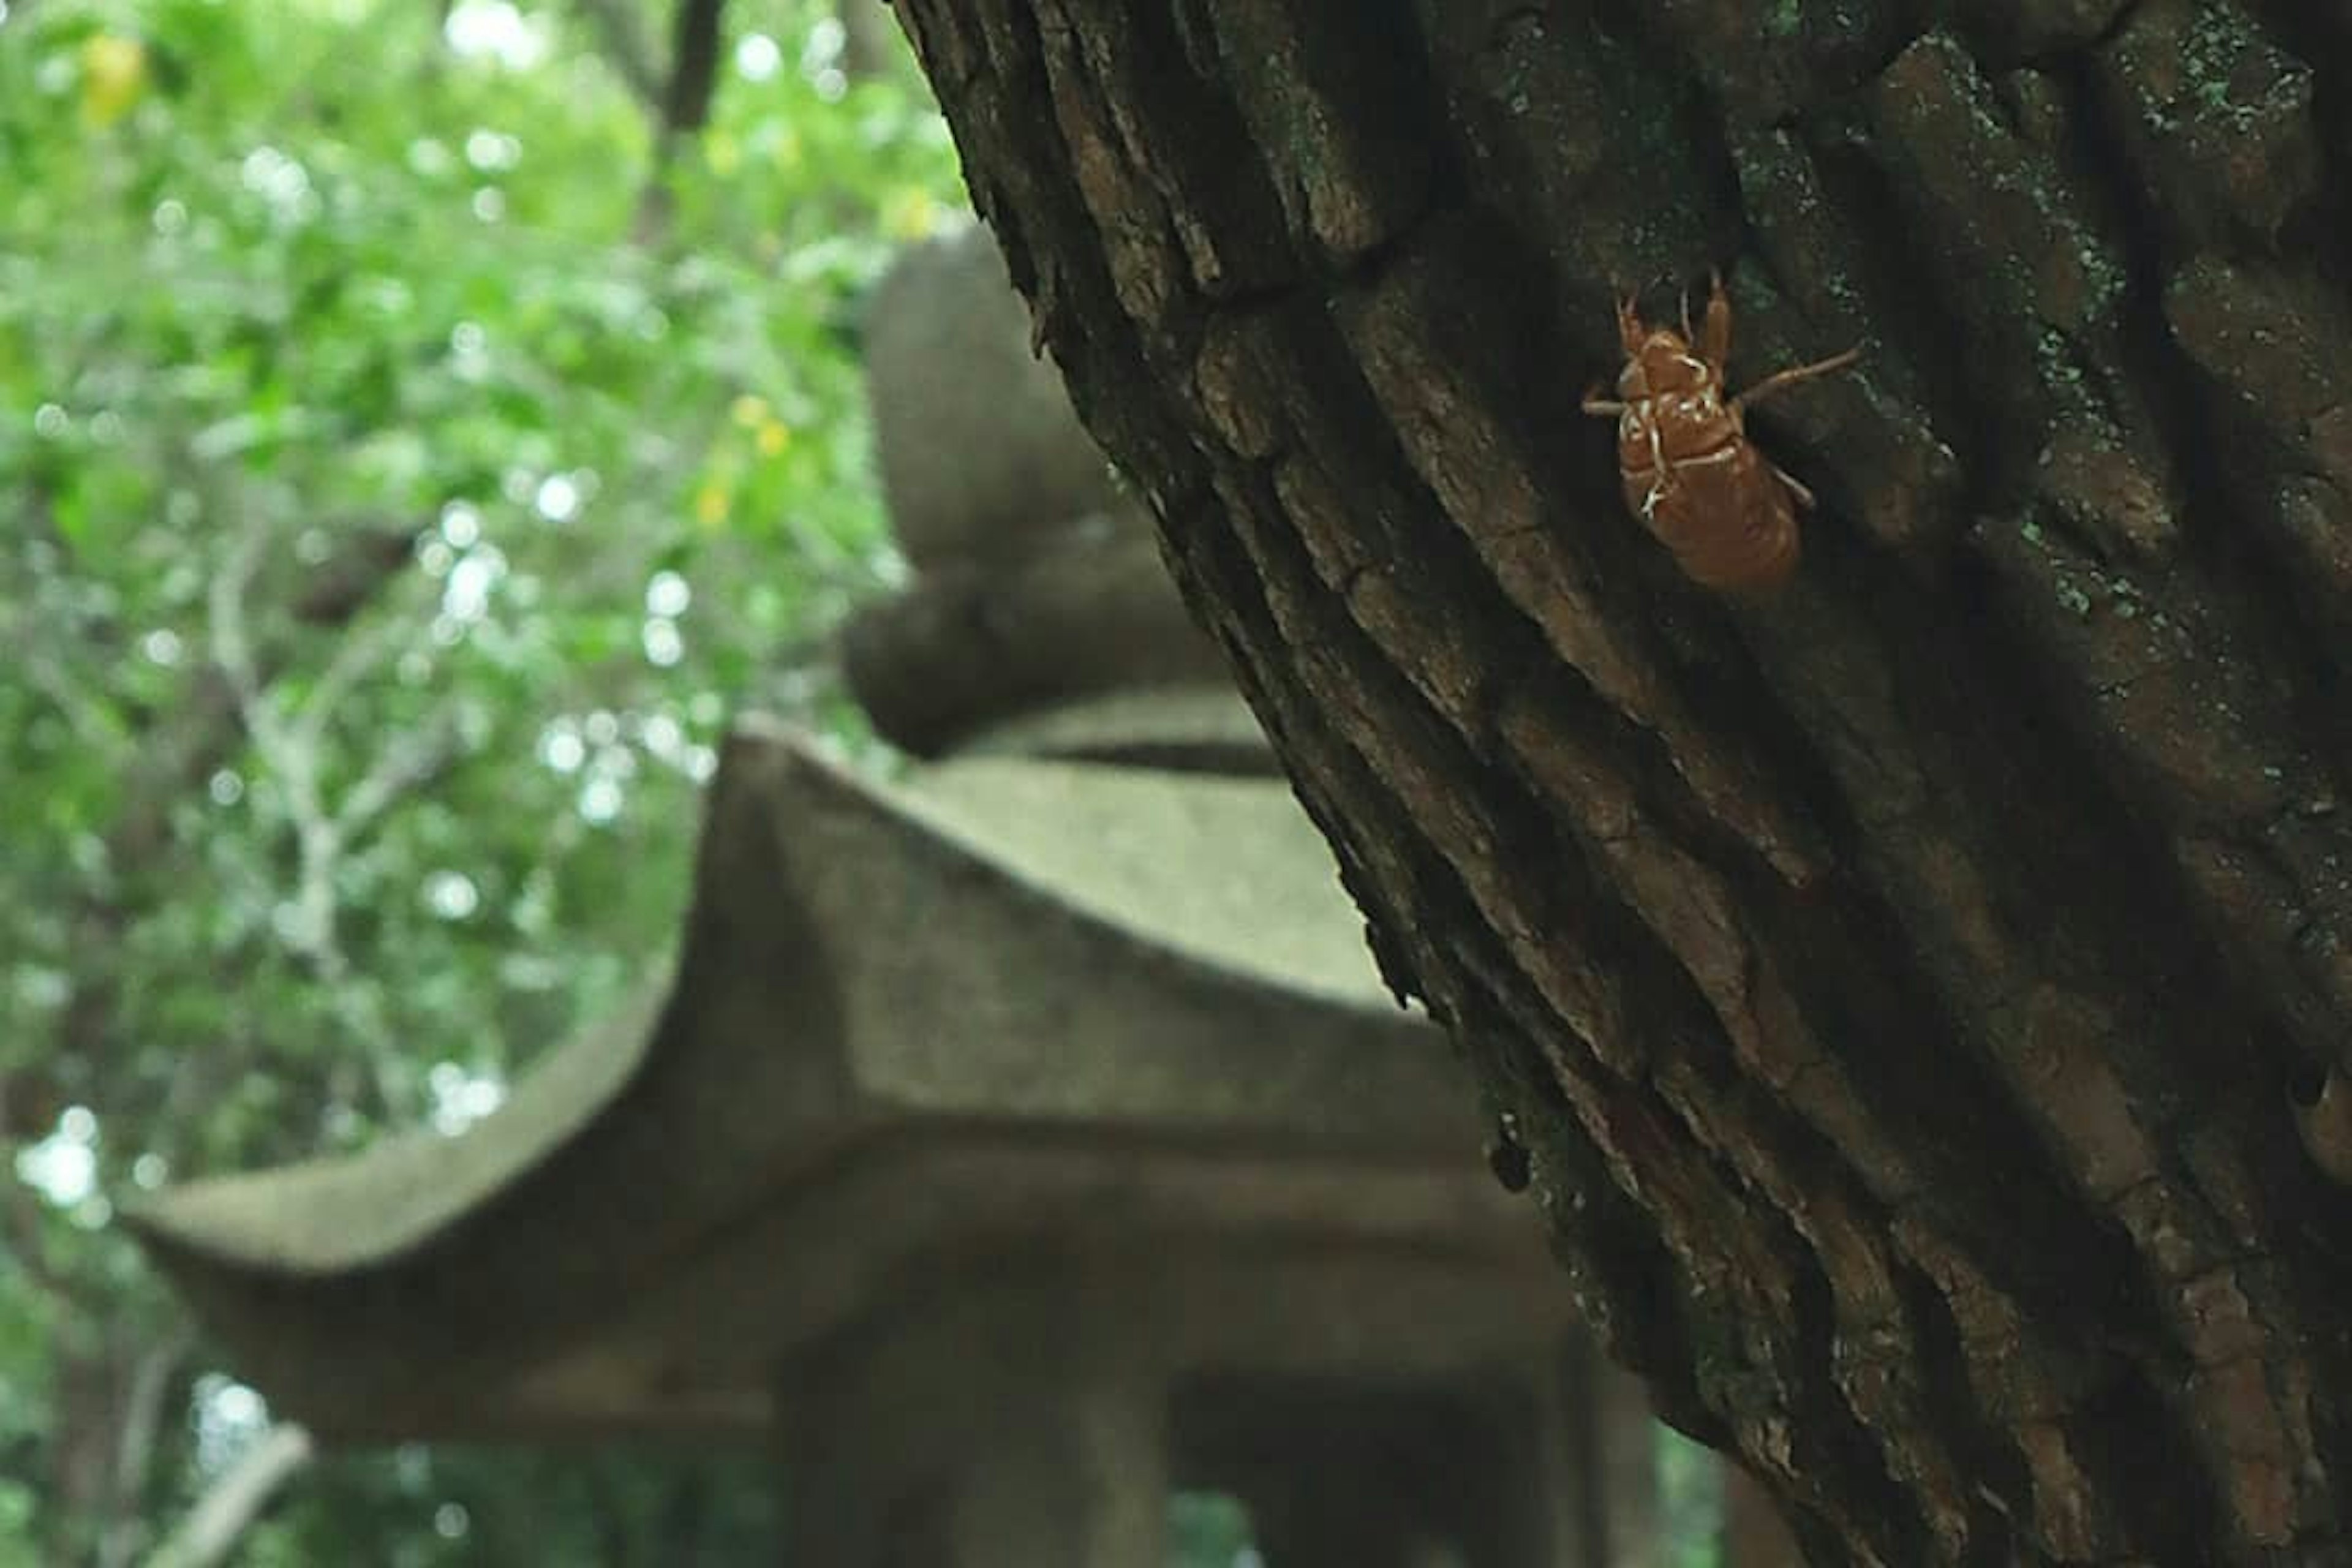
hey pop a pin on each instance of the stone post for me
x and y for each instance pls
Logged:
(995, 1427)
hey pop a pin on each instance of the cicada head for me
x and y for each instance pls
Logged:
(1667, 366)
(1659, 360)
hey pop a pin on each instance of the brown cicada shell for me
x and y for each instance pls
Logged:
(1690, 472)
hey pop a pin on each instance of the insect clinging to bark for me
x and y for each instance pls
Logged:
(1725, 510)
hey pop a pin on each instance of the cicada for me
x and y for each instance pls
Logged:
(1727, 511)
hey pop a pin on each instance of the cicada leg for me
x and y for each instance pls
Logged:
(1717, 349)
(1780, 381)
(1630, 331)
(1797, 491)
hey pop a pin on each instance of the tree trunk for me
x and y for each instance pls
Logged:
(1903, 985)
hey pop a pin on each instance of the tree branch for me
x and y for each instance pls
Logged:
(151, 1382)
(625, 47)
(685, 103)
(226, 1510)
(694, 67)
(293, 747)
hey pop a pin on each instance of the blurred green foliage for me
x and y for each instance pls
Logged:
(1209, 1529)
(407, 476)
(1690, 1502)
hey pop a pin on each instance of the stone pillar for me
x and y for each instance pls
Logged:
(992, 1429)
(1353, 1474)
(1754, 1534)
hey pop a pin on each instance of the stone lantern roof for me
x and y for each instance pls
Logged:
(1011, 1000)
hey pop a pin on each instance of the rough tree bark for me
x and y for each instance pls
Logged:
(1903, 985)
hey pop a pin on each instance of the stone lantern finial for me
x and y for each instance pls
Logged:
(1041, 619)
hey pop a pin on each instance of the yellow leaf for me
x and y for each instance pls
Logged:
(909, 214)
(748, 411)
(711, 503)
(113, 76)
(773, 438)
